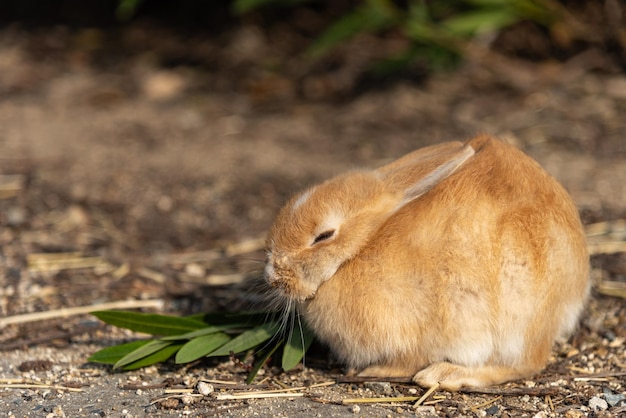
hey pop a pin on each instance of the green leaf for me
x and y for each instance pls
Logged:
(111, 355)
(537, 11)
(157, 357)
(203, 340)
(300, 340)
(243, 319)
(141, 352)
(126, 9)
(470, 23)
(260, 361)
(491, 3)
(200, 347)
(149, 323)
(198, 333)
(245, 6)
(247, 340)
(372, 16)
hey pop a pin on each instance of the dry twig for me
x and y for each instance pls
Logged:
(606, 247)
(380, 400)
(253, 395)
(245, 247)
(11, 185)
(513, 391)
(486, 403)
(610, 288)
(426, 395)
(80, 310)
(274, 393)
(43, 262)
(38, 386)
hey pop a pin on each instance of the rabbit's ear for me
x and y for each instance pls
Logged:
(414, 179)
(439, 174)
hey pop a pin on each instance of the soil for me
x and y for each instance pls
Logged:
(125, 179)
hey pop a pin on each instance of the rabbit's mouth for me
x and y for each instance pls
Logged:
(287, 284)
(290, 290)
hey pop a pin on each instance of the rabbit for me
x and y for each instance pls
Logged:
(458, 264)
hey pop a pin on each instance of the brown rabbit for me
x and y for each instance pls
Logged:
(457, 264)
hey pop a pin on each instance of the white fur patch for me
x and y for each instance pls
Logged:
(570, 319)
(302, 199)
(474, 342)
(472, 349)
(329, 272)
(270, 274)
(512, 347)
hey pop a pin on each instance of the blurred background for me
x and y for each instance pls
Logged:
(146, 145)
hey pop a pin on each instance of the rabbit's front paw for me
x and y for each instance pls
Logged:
(447, 375)
(453, 377)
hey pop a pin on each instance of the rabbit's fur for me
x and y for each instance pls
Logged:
(458, 264)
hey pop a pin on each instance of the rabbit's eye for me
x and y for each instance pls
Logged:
(324, 236)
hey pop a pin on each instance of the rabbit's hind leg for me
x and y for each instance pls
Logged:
(387, 371)
(453, 377)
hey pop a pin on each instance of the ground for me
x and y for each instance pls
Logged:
(121, 179)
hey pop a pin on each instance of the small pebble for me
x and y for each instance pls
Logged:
(493, 410)
(58, 411)
(380, 387)
(15, 216)
(204, 388)
(195, 270)
(613, 398)
(355, 409)
(425, 410)
(150, 409)
(598, 404)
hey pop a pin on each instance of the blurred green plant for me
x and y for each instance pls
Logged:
(437, 30)
(245, 6)
(126, 9)
(426, 21)
(188, 339)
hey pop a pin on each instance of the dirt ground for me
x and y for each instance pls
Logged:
(122, 179)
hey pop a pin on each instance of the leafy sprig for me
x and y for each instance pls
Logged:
(188, 339)
(435, 30)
